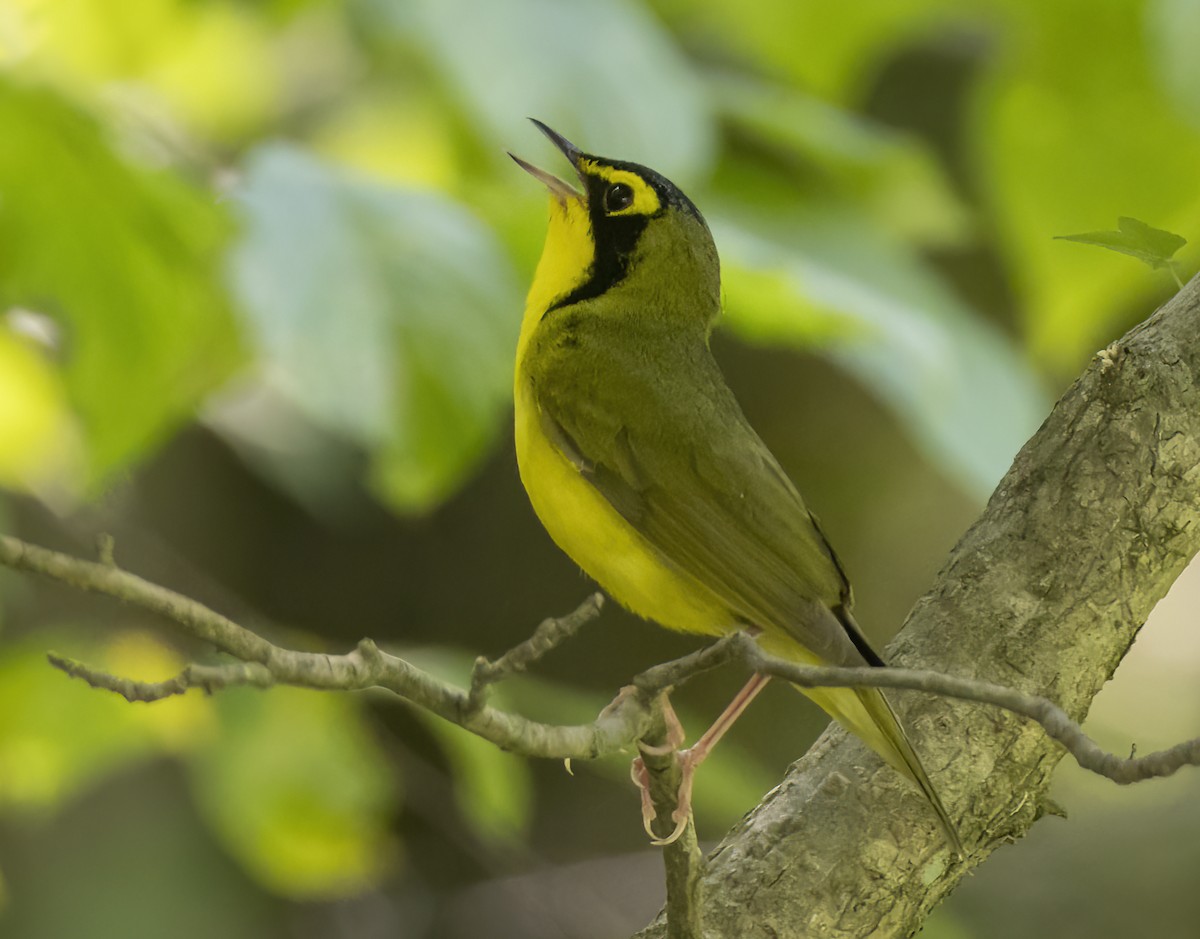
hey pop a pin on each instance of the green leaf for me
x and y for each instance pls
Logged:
(1152, 246)
(127, 260)
(387, 315)
(1072, 123)
(959, 388)
(298, 791)
(605, 74)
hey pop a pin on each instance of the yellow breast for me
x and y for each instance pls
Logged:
(589, 530)
(577, 516)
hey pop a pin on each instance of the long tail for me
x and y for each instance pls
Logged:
(866, 713)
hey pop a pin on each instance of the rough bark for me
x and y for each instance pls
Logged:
(1045, 593)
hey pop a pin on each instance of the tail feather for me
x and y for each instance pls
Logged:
(866, 713)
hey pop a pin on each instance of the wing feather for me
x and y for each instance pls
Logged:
(718, 506)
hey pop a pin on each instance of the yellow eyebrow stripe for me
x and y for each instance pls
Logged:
(645, 198)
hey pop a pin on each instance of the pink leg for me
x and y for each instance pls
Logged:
(691, 758)
(697, 754)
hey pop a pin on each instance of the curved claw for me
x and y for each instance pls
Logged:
(675, 735)
(683, 806)
(688, 759)
(681, 820)
(641, 778)
(662, 749)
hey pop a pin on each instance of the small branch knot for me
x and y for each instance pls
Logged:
(369, 655)
(105, 546)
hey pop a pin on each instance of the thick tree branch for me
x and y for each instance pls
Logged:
(1046, 592)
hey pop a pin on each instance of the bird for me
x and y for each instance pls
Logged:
(640, 463)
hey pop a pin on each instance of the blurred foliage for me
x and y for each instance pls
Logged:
(127, 260)
(1064, 137)
(307, 817)
(57, 737)
(563, 60)
(383, 313)
(34, 417)
(493, 788)
(294, 222)
(308, 820)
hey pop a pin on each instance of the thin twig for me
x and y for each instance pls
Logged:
(617, 728)
(667, 675)
(208, 678)
(550, 633)
(622, 723)
(1053, 719)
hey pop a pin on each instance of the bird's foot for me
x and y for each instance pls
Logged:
(673, 739)
(674, 735)
(682, 813)
(689, 759)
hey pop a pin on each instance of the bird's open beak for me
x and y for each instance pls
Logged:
(559, 189)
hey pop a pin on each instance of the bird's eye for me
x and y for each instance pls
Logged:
(618, 196)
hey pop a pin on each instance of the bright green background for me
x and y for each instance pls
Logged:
(261, 268)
